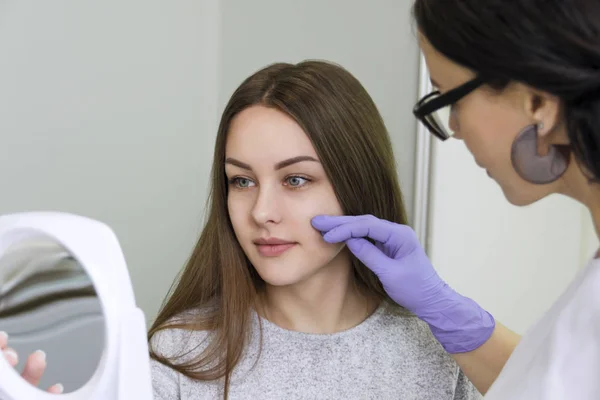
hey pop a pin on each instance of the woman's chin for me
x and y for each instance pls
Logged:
(279, 274)
(522, 197)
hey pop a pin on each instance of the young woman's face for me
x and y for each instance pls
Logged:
(276, 186)
(489, 123)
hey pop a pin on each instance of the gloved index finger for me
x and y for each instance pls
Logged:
(364, 228)
(325, 223)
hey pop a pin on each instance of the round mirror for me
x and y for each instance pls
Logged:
(48, 302)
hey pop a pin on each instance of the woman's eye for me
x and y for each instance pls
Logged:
(296, 181)
(241, 183)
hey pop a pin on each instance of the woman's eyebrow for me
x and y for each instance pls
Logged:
(294, 160)
(279, 165)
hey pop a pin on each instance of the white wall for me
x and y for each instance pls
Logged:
(108, 109)
(513, 261)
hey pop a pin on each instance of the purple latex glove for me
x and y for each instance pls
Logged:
(408, 277)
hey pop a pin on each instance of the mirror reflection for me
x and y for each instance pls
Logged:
(49, 303)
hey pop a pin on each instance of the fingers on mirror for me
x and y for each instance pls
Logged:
(50, 314)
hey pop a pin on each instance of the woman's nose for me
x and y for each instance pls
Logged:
(266, 209)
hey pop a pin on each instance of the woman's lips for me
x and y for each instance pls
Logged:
(274, 250)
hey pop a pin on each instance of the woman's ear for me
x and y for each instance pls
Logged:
(545, 110)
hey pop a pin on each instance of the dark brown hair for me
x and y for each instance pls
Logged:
(550, 45)
(353, 145)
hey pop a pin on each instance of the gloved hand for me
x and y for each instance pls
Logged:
(408, 277)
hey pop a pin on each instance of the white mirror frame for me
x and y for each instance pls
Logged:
(123, 372)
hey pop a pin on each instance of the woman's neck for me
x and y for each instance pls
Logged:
(329, 301)
(595, 211)
(579, 187)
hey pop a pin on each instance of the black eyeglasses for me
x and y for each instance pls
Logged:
(434, 109)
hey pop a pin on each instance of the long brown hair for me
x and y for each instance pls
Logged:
(353, 145)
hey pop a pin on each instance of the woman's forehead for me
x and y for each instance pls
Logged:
(266, 133)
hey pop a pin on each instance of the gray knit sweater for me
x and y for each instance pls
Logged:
(388, 356)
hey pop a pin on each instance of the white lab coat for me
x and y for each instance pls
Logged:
(559, 358)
